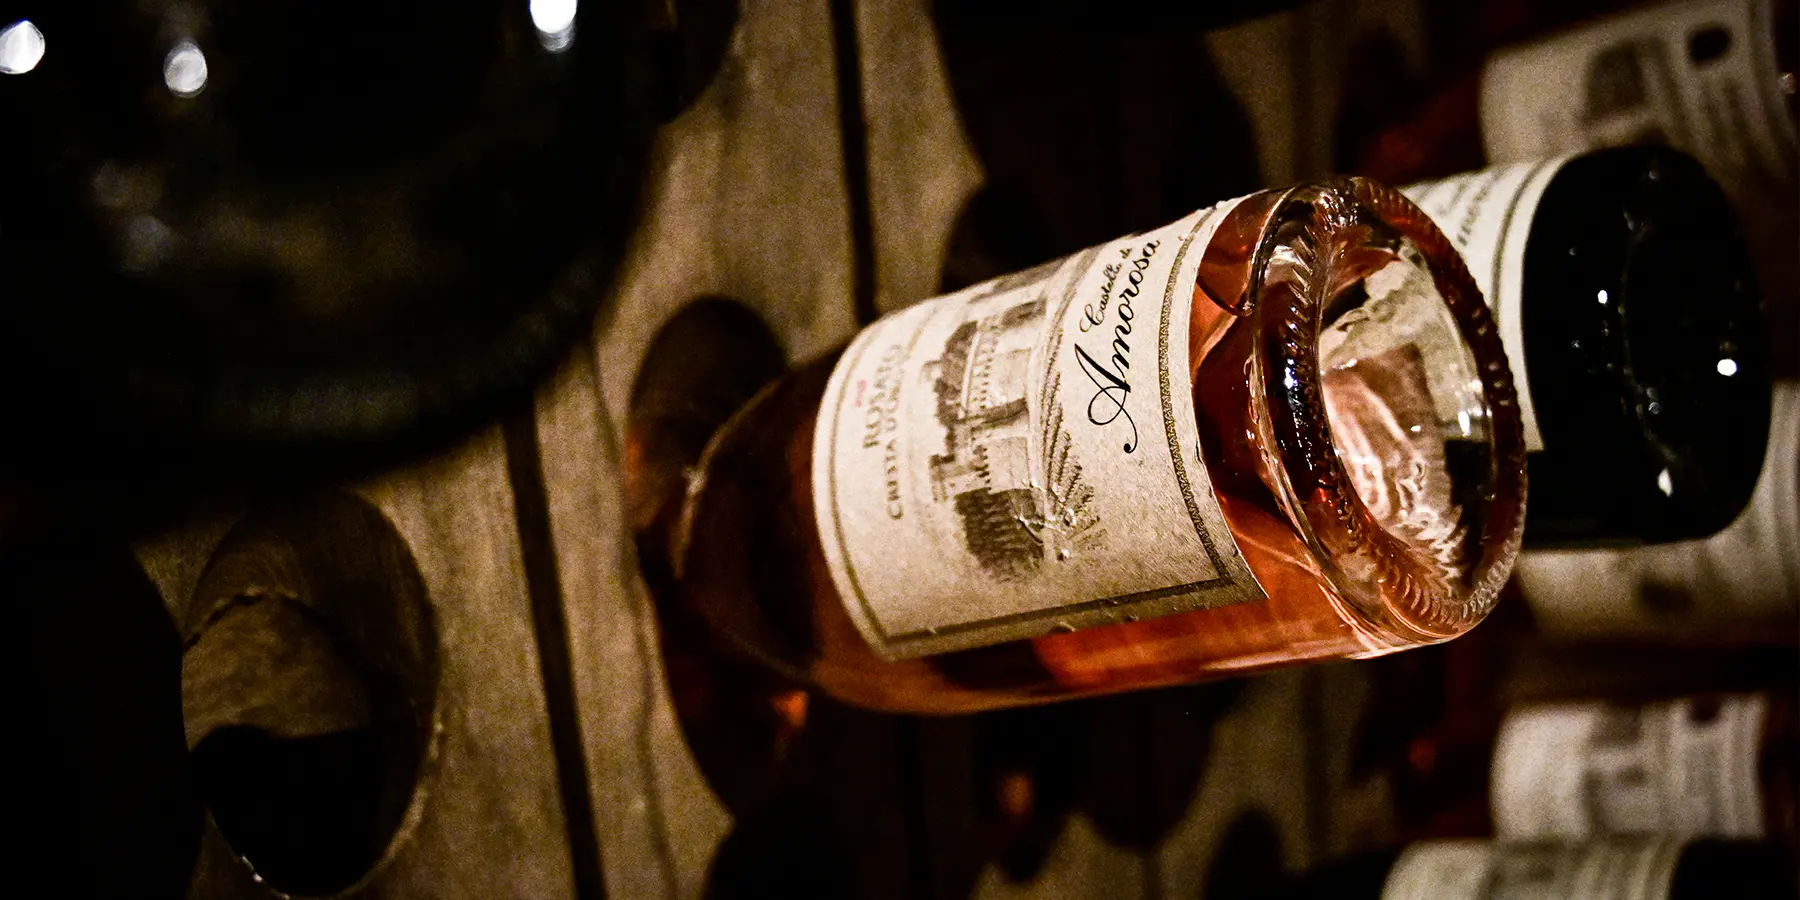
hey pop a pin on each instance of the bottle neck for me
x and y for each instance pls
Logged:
(1390, 425)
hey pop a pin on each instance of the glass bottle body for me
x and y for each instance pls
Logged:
(1363, 540)
(1645, 338)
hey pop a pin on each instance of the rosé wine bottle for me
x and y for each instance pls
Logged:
(1278, 430)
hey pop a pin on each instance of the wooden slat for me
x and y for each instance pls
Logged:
(921, 168)
(656, 818)
(1082, 864)
(745, 200)
(1253, 65)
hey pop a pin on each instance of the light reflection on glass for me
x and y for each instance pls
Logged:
(21, 47)
(555, 22)
(184, 70)
(1727, 367)
(1664, 483)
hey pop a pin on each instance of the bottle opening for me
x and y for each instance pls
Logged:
(1407, 415)
(1392, 409)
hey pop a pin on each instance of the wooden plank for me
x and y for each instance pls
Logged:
(657, 820)
(745, 200)
(1253, 64)
(1288, 71)
(498, 826)
(921, 168)
(1081, 864)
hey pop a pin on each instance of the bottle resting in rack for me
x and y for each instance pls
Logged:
(1638, 868)
(1712, 78)
(1699, 766)
(1702, 765)
(1740, 586)
(1280, 429)
(1628, 304)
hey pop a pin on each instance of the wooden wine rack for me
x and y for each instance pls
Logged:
(561, 771)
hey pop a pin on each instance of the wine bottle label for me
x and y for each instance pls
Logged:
(1701, 76)
(1487, 215)
(1613, 869)
(1687, 767)
(1022, 456)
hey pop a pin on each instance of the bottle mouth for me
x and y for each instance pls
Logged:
(1390, 412)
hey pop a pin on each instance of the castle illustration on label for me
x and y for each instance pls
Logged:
(1019, 505)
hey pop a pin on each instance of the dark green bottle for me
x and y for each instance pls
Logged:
(1631, 314)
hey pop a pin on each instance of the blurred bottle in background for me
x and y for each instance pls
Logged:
(1704, 765)
(1629, 308)
(1741, 585)
(1506, 734)
(331, 229)
(1714, 78)
(1660, 868)
(1710, 764)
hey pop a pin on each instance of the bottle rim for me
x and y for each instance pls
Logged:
(1330, 515)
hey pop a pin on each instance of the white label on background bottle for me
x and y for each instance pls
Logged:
(1022, 456)
(1699, 75)
(1440, 870)
(1487, 215)
(1686, 768)
(1618, 869)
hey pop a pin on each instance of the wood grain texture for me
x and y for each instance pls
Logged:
(921, 168)
(1081, 864)
(745, 200)
(656, 818)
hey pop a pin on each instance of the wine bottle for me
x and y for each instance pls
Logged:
(1279, 429)
(1740, 586)
(291, 227)
(1649, 868)
(1701, 765)
(1716, 766)
(1629, 309)
(1713, 78)
(1518, 738)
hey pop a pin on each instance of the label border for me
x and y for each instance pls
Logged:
(1224, 578)
(1500, 240)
